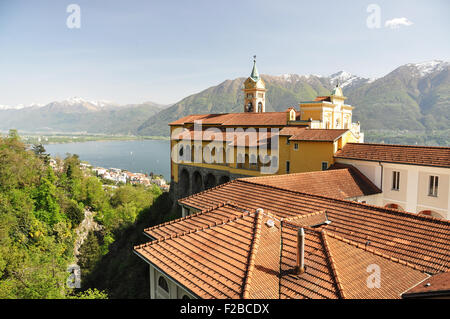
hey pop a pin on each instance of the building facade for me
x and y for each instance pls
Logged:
(412, 178)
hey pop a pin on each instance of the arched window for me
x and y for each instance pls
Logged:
(181, 150)
(394, 206)
(249, 107)
(431, 213)
(260, 107)
(162, 283)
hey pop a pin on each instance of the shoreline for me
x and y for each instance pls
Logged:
(67, 139)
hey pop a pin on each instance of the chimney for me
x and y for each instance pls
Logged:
(300, 267)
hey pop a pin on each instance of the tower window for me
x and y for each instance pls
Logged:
(260, 107)
(433, 188)
(249, 107)
(395, 180)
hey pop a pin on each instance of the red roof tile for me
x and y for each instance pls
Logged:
(405, 154)
(337, 183)
(420, 240)
(253, 255)
(236, 119)
(434, 286)
(307, 134)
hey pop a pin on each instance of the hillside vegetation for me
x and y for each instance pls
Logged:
(40, 208)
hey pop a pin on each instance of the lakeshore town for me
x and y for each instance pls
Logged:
(117, 176)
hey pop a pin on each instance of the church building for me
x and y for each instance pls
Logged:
(296, 140)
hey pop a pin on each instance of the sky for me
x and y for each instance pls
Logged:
(162, 51)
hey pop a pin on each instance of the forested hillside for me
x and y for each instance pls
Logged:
(40, 210)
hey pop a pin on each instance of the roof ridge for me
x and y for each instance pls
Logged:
(252, 254)
(354, 170)
(353, 203)
(373, 251)
(332, 264)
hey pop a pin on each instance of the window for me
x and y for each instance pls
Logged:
(395, 180)
(287, 141)
(433, 189)
(296, 146)
(288, 167)
(162, 283)
(324, 166)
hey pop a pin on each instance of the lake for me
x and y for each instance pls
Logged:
(142, 156)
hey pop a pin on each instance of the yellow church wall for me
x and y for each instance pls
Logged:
(316, 115)
(309, 156)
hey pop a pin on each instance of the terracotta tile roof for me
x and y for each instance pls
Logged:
(317, 282)
(252, 255)
(433, 286)
(210, 261)
(307, 134)
(344, 183)
(208, 217)
(319, 218)
(236, 119)
(422, 241)
(352, 265)
(417, 155)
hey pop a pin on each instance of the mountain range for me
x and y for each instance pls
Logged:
(76, 115)
(414, 97)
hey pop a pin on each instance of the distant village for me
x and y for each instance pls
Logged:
(117, 176)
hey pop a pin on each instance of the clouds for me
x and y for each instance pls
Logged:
(397, 23)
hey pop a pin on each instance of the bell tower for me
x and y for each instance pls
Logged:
(254, 92)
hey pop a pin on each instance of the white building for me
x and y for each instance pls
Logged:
(412, 178)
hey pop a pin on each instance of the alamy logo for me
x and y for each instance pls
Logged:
(74, 19)
(250, 148)
(74, 280)
(374, 19)
(374, 279)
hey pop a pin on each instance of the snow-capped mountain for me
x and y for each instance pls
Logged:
(73, 103)
(346, 79)
(424, 68)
